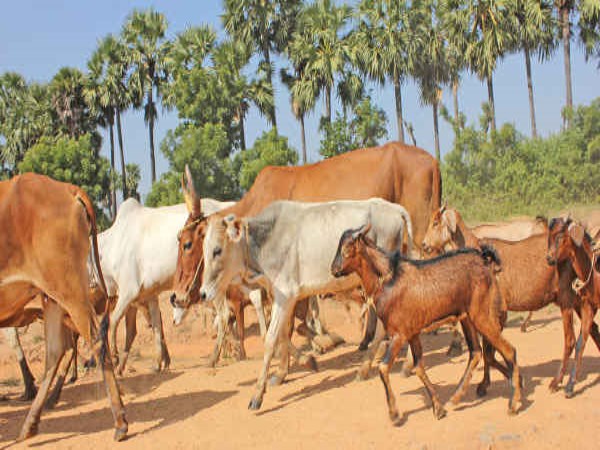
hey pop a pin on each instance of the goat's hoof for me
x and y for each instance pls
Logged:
(276, 380)
(120, 434)
(482, 390)
(554, 386)
(569, 391)
(255, 404)
(311, 363)
(394, 416)
(439, 413)
(514, 407)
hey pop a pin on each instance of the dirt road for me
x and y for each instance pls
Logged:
(194, 407)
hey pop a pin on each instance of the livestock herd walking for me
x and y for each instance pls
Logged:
(369, 221)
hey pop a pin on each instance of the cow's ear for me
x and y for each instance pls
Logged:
(192, 201)
(577, 233)
(449, 218)
(233, 228)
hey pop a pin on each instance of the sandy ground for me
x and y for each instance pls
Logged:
(191, 406)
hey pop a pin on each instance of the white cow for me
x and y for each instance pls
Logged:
(289, 248)
(138, 255)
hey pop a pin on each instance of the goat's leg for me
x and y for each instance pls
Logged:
(525, 323)
(492, 332)
(417, 351)
(385, 365)
(378, 347)
(130, 334)
(472, 339)
(569, 344)
(587, 317)
(594, 333)
(455, 347)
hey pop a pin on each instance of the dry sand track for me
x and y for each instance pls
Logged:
(194, 407)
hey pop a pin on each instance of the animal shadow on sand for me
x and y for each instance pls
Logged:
(534, 324)
(166, 410)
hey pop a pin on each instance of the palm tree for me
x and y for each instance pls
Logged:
(66, 91)
(532, 30)
(432, 68)
(488, 40)
(385, 46)
(589, 28)
(144, 32)
(263, 25)
(319, 42)
(564, 9)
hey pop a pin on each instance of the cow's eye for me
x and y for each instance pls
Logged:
(216, 252)
(187, 245)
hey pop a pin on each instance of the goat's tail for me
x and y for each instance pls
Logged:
(490, 255)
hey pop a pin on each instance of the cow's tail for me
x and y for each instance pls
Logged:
(436, 188)
(89, 209)
(407, 235)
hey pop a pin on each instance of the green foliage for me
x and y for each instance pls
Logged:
(270, 149)
(75, 161)
(505, 174)
(366, 128)
(203, 149)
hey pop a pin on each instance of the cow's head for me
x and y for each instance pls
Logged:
(188, 272)
(347, 258)
(564, 237)
(224, 249)
(441, 229)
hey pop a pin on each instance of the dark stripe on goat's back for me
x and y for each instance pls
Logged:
(427, 262)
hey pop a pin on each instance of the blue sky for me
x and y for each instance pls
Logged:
(38, 37)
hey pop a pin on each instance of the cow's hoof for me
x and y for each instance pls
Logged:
(569, 391)
(482, 390)
(255, 404)
(394, 416)
(72, 380)
(28, 395)
(514, 407)
(363, 346)
(311, 363)
(439, 413)
(120, 434)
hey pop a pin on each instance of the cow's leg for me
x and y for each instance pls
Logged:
(70, 345)
(568, 345)
(130, 334)
(12, 337)
(525, 323)
(255, 297)
(285, 344)
(163, 360)
(239, 320)
(222, 320)
(123, 302)
(279, 319)
(376, 351)
(55, 349)
(73, 364)
(315, 320)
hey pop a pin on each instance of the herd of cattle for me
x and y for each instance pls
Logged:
(369, 223)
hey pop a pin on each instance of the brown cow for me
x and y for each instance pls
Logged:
(46, 229)
(526, 282)
(396, 172)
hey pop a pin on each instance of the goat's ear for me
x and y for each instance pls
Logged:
(577, 233)
(233, 228)
(362, 231)
(449, 218)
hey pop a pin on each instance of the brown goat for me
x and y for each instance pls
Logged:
(568, 242)
(410, 295)
(526, 281)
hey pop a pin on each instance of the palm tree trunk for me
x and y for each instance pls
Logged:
(327, 115)
(267, 56)
(399, 118)
(151, 135)
(436, 132)
(530, 90)
(303, 139)
(113, 194)
(455, 101)
(242, 134)
(122, 154)
(566, 36)
(490, 86)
